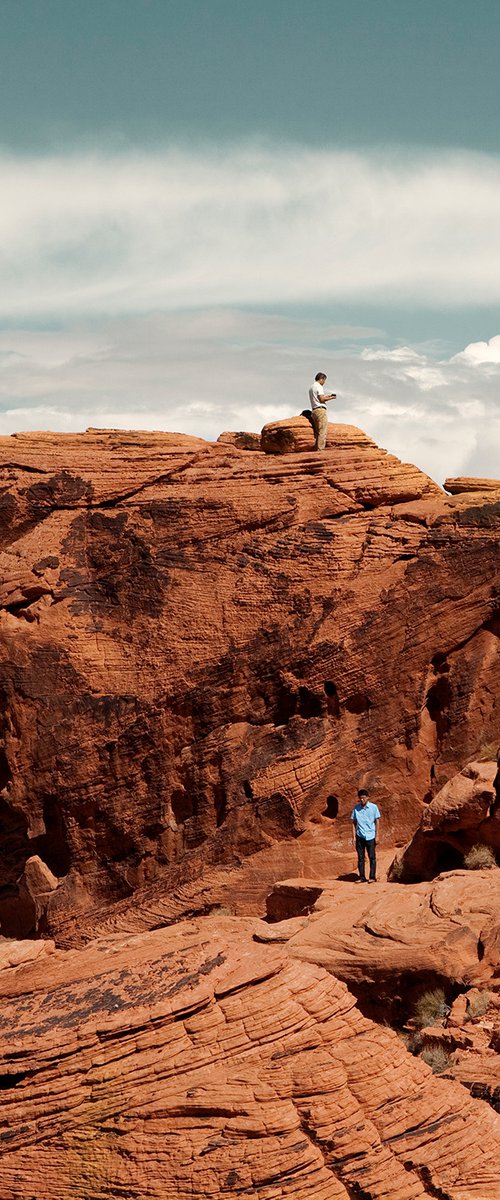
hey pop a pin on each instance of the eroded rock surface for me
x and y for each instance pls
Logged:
(464, 483)
(202, 646)
(390, 942)
(190, 1062)
(464, 815)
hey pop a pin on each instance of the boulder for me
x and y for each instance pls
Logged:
(463, 817)
(242, 441)
(463, 484)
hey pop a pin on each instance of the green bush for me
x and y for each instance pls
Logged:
(479, 858)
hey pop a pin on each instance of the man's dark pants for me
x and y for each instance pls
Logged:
(361, 845)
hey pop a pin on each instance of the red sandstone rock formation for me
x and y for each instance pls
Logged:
(468, 484)
(190, 1063)
(243, 441)
(465, 814)
(202, 646)
(398, 938)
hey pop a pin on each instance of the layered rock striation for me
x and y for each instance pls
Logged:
(463, 820)
(201, 646)
(191, 1062)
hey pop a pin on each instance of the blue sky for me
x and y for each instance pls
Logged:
(205, 203)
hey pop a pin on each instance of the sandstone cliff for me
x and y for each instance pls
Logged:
(201, 646)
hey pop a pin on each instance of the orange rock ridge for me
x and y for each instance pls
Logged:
(202, 644)
(188, 1062)
(205, 649)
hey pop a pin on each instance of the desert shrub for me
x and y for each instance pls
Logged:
(430, 1007)
(488, 752)
(478, 1005)
(396, 870)
(436, 1058)
(479, 858)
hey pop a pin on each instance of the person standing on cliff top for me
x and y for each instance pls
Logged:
(318, 401)
(365, 817)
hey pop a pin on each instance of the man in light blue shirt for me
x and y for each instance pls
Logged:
(365, 817)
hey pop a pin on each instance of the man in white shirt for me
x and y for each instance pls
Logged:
(318, 401)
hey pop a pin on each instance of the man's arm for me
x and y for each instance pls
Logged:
(354, 829)
(332, 396)
(376, 829)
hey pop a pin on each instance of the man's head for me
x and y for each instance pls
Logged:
(320, 377)
(363, 796)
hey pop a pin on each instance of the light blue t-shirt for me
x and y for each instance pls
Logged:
(364, 817)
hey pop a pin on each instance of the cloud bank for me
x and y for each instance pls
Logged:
(130, 233)
(211, 370)
(149, 290)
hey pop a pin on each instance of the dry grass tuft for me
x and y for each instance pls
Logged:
(430, 1007)
(488, 752)
(478, 1005)
(479, 858)
(436, 1058)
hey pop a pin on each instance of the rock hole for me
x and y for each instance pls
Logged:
(429, 795)
(220, 804)
(182, 806)
(286, 706)
(5, 776)
(448, 858)
(11, 1081)
(52, 845)
(440, 664)
(437, 703)
(332, 698)
(358, 703)
(248, 790)
(331, 808)
(309, 704)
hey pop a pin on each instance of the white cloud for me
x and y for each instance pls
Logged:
(148, 264)
(481, 352)
(206, 371)
(83, 235)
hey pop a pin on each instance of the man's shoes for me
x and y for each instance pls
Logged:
(360, 880)
(372, 881)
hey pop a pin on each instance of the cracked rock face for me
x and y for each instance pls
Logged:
(202, 645)
(190, 1062)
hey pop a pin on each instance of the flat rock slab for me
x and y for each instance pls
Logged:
(388, 933)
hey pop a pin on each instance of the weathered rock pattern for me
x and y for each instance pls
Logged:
(464, 483)
(190, 1062)
(390, 942)
(242, 440)
(463, 815)
(202, 646)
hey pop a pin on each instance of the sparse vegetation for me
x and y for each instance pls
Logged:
(478, 1004)
(488, 752)
(430, 1007)
(396, 870)
(436, 1058)
(479, 858)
